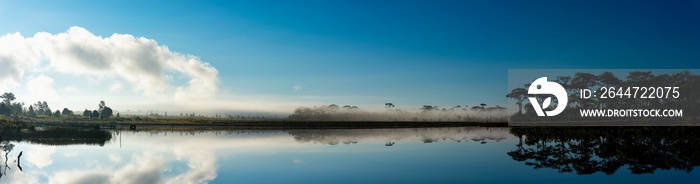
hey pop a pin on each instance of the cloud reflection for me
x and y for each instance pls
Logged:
(40, 156)
(192, 156)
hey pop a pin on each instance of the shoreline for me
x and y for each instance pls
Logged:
(279, 124)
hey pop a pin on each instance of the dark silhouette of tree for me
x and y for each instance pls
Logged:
(4, 110)
(95, 114)
(67, 112)
(6, 147)
(31, 112)
(16, 108)
(519, 94)
(57, 113)
(7, 98)
(87, 113)
(42, 108)
(101, 106)
(59, 136)
(106, 113)
(606, 149)
(12, 108)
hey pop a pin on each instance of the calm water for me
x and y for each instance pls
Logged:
(411, 155)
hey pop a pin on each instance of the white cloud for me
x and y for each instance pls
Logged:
(115, 158)
(40, 156)
(202, 164)
(72, 153)
(144, 168)
(16, 56)
(298, 87)
(80, 176)
(71, 89)
(41, 87)
(116, 87)
(139, 61)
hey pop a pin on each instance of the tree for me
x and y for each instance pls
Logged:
(7, 98)
(106, 113)
(12, 108)
(101, 106)
(57, 113)
(42, 108)
(16, 108)
(95, 114)
(87, 113)
(67, 112)
(4, 110)
(30, 111)
(519, 94)
(45, 107)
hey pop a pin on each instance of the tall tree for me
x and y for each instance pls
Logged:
(30, 111)
(101, 106)
(7, 98)
(45, 107)
(106, 113)
(519, 94)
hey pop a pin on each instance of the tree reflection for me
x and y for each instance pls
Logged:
(6, 148)
(606, 149)
(390, 136)
(60, 136)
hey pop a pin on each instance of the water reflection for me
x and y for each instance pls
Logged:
(425, 135)
(607, 149)
(59, 136)
(459, 154)
(189, 156)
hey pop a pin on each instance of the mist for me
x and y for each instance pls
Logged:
(426, 113)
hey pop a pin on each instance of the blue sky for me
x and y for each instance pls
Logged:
(364, 53)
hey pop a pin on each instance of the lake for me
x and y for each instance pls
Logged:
(402, 155)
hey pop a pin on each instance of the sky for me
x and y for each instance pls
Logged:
(274, 56)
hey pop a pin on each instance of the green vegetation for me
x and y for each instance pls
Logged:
(41, 112)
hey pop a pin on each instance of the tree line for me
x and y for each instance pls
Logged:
(9, 108)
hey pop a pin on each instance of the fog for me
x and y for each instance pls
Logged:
(334, 112)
